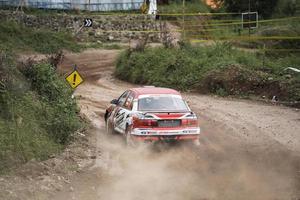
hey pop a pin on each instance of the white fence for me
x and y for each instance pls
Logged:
(91, 5)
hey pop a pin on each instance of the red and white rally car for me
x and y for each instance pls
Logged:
(152, 114)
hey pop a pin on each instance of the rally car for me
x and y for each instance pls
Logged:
(150, 114)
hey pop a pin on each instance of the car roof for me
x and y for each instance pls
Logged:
(153, 90)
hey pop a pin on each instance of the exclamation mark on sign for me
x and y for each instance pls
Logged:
(74, 79)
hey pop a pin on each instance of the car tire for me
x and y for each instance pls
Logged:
(128, 138)
(109, 128)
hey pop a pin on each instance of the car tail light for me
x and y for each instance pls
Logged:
(190, 122)
(144, 123)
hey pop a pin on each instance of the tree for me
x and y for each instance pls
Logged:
(162, 2)
(265, 8)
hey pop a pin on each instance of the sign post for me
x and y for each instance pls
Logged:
(250, 20)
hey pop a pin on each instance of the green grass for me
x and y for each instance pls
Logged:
(193, 6)
(20, 38)
(219, 69)
(175, 9)
(96, 45)
(37, 116)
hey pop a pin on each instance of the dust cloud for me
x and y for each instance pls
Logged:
(185, 172)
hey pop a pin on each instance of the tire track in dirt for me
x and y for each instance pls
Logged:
(245, 152)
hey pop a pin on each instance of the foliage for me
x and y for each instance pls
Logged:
(265, 8)
(37, 116)
(96, 45)
(60, 107)
(217, 69)
(191, 6)
(286, 8)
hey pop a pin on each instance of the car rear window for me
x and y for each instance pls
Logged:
(162, 103)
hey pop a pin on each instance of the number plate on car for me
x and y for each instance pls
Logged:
(168, 138)
(169, 123)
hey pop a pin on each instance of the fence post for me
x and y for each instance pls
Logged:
(20, 5)
(249, 10)
(264, 55)
(183, 20)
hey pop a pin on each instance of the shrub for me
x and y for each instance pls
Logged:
(192, 6)
(58, 107)
(37, 115)
(219, 69)
(264, 7)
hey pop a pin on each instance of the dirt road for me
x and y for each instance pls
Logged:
(249, 150)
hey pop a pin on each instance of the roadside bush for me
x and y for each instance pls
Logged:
(192, 6)
(37, 115)
(23, 137)
(264, 7)
(286, 30)
(57, 102)
(286, 8)
(218, 69)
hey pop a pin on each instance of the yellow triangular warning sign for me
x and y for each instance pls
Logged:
(74, 79)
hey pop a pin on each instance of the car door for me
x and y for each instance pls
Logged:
(123, 113)
(119, 115)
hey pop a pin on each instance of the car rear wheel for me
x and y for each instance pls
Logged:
(109, 128)
(129, 140)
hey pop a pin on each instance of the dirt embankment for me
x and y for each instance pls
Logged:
(249, 150)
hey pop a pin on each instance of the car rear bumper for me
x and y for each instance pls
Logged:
(165, 135)
(165, 138)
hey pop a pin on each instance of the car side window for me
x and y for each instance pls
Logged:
(128, 103)
(123, 98)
